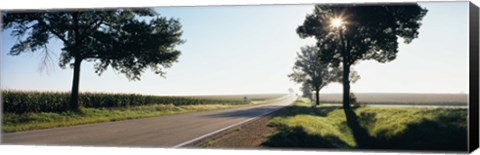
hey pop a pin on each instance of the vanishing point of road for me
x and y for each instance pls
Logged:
(163, 131)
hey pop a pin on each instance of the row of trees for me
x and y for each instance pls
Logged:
(347, 34)
(130, 41)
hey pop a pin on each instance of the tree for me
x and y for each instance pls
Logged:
(291, 91)
(127, 40)
(310, 70)
(362, 32)
(306, 90)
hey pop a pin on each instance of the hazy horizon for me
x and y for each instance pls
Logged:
(251, 49)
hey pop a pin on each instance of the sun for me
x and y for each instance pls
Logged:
(336, 22)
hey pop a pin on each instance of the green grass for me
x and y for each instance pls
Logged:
(425, 128)
(28, 121)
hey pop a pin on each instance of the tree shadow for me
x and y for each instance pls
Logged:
(361, 136)
(428, 135)
(247, 113)
(433, 135)
(304, 110)
(292, 110)
(443, 133)
(297, 137)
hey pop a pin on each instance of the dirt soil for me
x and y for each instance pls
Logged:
(249, 135)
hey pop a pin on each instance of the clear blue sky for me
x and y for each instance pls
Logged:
(251, 49)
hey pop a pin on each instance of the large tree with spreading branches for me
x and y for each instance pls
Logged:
(127, 40)
(361, 32)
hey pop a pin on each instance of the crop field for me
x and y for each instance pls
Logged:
(23, 102)
(40, 110)
(401, 99)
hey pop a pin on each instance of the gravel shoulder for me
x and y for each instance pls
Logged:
(249, 135)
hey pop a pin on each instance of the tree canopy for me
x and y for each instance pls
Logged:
(127, 40)
(310, 70)
(314, 73)
(116, 38)
(351, 32)
(369, 31)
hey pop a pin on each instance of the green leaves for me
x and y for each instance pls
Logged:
(140, 45)
(371, 31)
(309, 68)
(348, 33)
(128, 40)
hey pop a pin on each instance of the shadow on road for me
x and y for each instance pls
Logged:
(247, 113)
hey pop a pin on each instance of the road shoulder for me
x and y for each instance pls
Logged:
(248, 135)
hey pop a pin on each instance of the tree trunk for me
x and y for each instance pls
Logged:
(346, 85)
(346, 72)
(317, 96)
(73, 104)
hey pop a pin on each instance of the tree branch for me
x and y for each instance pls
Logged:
(76, 52)
(49, 28)
(95, 24)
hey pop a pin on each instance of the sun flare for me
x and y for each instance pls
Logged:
(336, 22)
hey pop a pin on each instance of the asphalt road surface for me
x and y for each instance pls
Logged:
(164, 131)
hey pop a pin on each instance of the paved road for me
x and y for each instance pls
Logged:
(164, 131)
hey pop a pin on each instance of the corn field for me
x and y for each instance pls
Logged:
(23, 102)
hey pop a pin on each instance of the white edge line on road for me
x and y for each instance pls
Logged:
(223, 129)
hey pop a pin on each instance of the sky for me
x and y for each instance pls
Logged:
(252, 49)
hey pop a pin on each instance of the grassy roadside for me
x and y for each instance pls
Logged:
(302, 126)
(12, 122)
